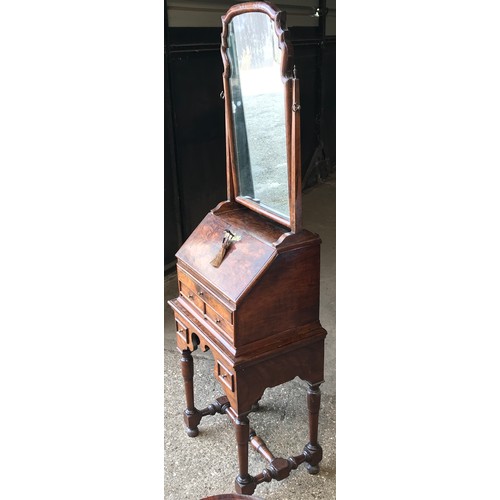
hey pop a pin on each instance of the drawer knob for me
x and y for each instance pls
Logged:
(200, 293)
(224, 376)
(217, 320)
(180, 331)
(190, 295)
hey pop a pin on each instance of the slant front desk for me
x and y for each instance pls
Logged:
(249, 274)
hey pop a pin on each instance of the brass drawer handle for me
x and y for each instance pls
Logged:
(200, 293)
(190, 296)
(217, 320)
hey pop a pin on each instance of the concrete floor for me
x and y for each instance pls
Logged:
(207, 465)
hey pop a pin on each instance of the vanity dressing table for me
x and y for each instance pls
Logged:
(248, 275)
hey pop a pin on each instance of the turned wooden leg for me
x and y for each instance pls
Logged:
(244, 484)
(192, 416)
(313, 450)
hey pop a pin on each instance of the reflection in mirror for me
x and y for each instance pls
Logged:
(258, 106)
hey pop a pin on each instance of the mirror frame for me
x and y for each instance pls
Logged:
(292, 116)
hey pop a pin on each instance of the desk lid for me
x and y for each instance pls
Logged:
(246, 258)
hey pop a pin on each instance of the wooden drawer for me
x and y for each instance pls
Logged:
(218, 321)
(187, 282)
(224, 375)
(192, 297)
(182, 330)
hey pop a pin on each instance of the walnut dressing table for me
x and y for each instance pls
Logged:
(249, 273)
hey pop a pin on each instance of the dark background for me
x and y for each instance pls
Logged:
(195, 169)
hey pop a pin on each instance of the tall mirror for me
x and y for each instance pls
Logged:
(257, 97)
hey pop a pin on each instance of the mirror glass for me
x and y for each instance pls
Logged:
(258, 107)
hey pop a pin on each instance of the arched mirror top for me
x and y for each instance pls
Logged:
(261, 90)
(278, 18)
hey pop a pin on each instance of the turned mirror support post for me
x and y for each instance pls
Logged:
(228, 125)
(296, 179)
